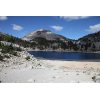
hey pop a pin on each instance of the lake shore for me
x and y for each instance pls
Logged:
(18, 69)
(64, 51)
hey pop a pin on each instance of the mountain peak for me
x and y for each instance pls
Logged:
(42, 33)
(42, 30)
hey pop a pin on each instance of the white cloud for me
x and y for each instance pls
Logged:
(17, 27)
(2, 18)
(69, 18)
(57, 28)
(94, 28)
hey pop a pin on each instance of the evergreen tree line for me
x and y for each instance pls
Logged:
(42, 44)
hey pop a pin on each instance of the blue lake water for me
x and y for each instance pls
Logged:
(65, 55)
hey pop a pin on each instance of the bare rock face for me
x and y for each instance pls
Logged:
(42, 33)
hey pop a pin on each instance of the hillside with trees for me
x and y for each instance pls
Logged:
(10, 43)
(89, 42)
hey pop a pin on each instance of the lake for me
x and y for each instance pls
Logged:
(65, 55)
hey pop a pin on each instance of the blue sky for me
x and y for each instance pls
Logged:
(72, 27)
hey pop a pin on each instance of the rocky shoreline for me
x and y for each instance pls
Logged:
(26, 68)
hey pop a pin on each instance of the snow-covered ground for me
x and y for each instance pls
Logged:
(18, 69)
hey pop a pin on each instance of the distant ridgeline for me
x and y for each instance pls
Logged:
(46, 40)
(90, 42)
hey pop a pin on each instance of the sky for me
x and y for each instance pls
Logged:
(72, 27)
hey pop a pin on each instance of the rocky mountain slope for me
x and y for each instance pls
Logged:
(94, 37)
(45, 39)
(90, 41)
(42, 33)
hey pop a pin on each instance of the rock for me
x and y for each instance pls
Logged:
(84, 71)
(77, 74)
(96, 79)
(34, 81)
(53, 77)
